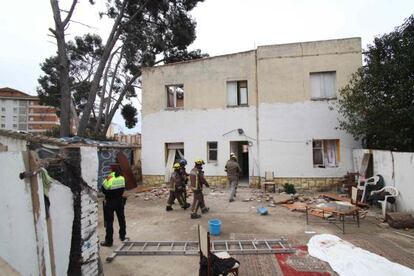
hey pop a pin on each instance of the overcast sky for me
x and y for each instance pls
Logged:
(223, 26)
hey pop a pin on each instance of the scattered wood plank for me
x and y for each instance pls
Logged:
(342, 198)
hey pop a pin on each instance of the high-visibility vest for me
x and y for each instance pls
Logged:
(112, 182)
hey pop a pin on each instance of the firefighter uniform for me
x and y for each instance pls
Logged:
(197, 181)
(233, 170)
(184, 176)
(176, 182)
(113, 187)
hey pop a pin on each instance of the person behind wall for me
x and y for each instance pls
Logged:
(184, 176)
(197, 181)
(176, 189)
(113, 188)
(233, 171)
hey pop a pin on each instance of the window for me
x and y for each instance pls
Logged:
(22, 127)
(175, 96)
(14, 109)
(323, 85)
(212, 151)
(326, 153)
(15, 126)
(237, 93)
(3, 126)
(3, 109)
(14, 118)
(3, 118)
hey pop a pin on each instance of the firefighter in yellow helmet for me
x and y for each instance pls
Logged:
(197, 181)
(176, 191)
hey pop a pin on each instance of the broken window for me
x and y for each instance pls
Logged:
(175, 96)
(323, 85)
(174, 152)
(212, 151)
(326, 153)
(237, 94)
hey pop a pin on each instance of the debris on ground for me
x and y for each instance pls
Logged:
(153, 193)
(400, 220)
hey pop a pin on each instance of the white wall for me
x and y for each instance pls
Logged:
(397, 168)
(286, 132)
(61, 216)
(13, 144)
(89, 204)
(17, 231)
(195, 128)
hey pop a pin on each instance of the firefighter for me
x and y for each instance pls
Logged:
(176, 189)
(233, 171)
(197, 181)
(184, 176)
(113, 187)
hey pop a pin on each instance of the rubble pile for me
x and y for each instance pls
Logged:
(154, 193)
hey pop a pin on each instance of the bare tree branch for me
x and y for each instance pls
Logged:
(70, 13)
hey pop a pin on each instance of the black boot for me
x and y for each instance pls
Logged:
(168, 208)
(205, 210)
(186, 205)
(195, 216)
(106, 244)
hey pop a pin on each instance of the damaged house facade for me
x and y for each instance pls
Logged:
(273, 107)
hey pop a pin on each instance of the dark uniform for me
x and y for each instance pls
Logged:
(197, 181)
(176, 191)
(184, 177)
(113, 187)
(233, 170)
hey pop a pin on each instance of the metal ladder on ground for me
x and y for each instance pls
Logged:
(191, 248)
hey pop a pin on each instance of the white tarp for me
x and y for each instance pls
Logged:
(347, 259)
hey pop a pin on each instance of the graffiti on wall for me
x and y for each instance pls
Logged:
(107, 156)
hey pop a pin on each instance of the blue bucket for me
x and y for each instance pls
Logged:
(214, 226)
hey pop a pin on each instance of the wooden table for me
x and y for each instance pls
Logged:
(338, 210)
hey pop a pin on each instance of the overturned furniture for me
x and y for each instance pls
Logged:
(214, 263)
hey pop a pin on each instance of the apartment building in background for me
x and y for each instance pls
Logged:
(22, 112)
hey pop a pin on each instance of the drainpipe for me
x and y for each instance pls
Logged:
(257, 118)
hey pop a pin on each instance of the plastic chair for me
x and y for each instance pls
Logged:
(269, 181)
(393, 192)
(363, 183)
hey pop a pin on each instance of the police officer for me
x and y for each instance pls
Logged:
(113, 187)
(197, 181)
(176, 189)
(233, 170)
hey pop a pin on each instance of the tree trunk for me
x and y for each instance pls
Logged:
(107, 71)
(59, 33)
(110, 116)
(112, 39)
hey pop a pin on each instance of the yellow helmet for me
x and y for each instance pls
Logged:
(176, 166)
(199, 161)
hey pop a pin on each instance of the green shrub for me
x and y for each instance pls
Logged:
(289, 188)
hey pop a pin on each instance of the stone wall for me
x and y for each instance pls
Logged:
(301, 183)
(309, 183)
(152, 180)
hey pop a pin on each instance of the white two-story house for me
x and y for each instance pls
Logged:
(274, 107)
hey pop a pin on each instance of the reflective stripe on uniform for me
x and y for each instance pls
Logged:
(113, 182)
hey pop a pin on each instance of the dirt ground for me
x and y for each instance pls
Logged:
(147, 220)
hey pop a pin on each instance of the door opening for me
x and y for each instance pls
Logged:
(241, 149)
